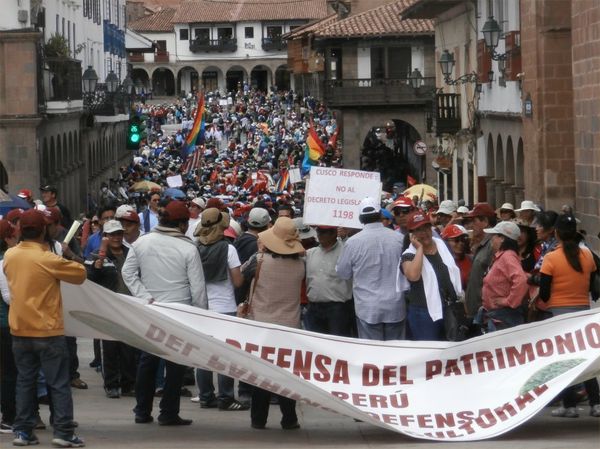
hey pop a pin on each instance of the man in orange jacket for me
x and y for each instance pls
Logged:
(36, 325)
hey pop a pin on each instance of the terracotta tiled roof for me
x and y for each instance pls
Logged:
(160, 21)
(385, 20)
(310, 27)
(207, 11)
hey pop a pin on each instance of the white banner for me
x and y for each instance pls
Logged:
(174, 181)
(333, 195)
(442, 391)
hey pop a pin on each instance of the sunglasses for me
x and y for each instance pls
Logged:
(400, 211)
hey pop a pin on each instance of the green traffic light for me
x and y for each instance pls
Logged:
(135, 138)
(134, 129)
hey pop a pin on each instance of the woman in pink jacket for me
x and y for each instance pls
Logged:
(505, 285)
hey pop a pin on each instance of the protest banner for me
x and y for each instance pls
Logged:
(466, 391)
(333, 195)
(174, 181)
(295, 175)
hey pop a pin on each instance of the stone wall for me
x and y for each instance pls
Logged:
(586, 93)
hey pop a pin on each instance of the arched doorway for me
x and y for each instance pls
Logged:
(282, 78)
(509, 168)
(234, 78)
(388, 149)
(259, 78)
(163, 82)
(187, 80)
(520, 165)
(141, 80)
(3, 178)
(210, 78)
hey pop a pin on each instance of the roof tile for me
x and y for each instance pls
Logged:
(159, 21)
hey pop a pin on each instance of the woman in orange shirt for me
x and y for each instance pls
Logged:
(565, 285)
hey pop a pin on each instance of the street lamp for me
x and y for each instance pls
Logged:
(491, 33)
(112, 82)
(90, 79)
(127, 85)
(446, 63)
(416, 79)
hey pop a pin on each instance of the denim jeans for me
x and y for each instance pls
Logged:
(421, 327)
(144, 387)
(51, 355)
(381, 331)
(332, 318)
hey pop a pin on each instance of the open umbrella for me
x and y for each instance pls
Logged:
(9, 201)
(423, 191)
(145, 186)
(176, 194)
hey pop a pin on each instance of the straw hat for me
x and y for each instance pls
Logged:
(282, 238)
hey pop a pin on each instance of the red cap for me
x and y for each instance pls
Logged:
(326, 227)
(402, 202)
(482, 210)
(215, 202)
(14, 214)
(25, 194)
(7, 230)
(130, 216)
(453, 231)
(416, 220)
(52, 215)
(33, 219)
(177, 210)
(230, 232)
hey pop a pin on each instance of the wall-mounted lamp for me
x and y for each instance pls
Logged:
(491, 35)
(446, 63)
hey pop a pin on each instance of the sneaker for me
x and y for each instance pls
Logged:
(25, 439)
(112, 393)
(6, 427)
(73, 441)
(128, 393)
(562, 412)
(185, 393)
(176, 421)
(195, 399)
(211, 403)
(595, 411)
(231, 405)
(79, 384)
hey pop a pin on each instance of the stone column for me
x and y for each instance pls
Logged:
(491, 191)
(509, 194)
(499, 187)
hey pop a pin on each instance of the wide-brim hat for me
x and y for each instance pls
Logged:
(528, 205)
(282, 238)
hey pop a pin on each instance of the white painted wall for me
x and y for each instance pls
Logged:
(169, 37)
(418, 60)
(9, 16)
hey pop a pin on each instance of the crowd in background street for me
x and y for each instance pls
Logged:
(230, 237)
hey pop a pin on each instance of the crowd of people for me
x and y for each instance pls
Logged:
(226, 233)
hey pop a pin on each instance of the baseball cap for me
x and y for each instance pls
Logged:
(416, 220)
(127, 213)
(453, 231)
(7, 230)
(112, 226)
(528, 205)
(505, 228)
(369, 206)
(25, 194)
(258, 218)
(403, 202)
(304, 230)
(199, 201)
(387, 214)
(215, 202)
(33, 219)
(177, 210)
(482, 210)
(447, 207)
(462, 210)
(49, 188)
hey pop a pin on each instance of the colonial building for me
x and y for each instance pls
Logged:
(49, 133)
(219, 45)
(375, 69)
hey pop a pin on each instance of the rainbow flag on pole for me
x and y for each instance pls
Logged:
(284, 180)
(196, 134)
(313, 149)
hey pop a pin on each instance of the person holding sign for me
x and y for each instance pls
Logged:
(370, 258)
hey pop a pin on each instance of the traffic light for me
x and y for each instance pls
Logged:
(134, 133)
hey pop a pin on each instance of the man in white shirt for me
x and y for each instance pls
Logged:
(164, 266)
(197, 205)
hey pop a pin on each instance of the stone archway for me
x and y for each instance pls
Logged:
(187, 80)
(261, 78)
(163, 82)
(509, 167)
(499, 174)
(212, 79)
(490, 156)
(388, 149)
(520, 165)
(235, 77)
(141, 80)
(282, 78)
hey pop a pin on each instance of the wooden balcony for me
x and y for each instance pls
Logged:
(213, 45)
(136, 57)
(161, 57)
(447, 120)
(274, 44)
(376, 92)
(63, 77)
